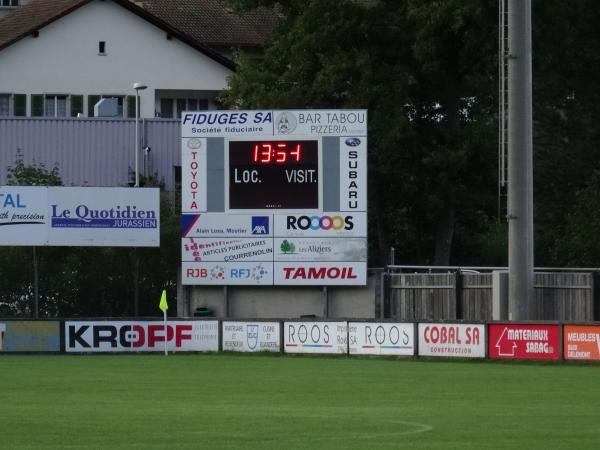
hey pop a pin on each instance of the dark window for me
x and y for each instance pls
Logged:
(181, 105)
(131, 106)
(166, 108)
(92, 100)
(76, 105)
(20, 105)
(37, 105)
(102, 47)
(4, 104)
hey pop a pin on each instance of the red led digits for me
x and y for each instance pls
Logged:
(276, 153)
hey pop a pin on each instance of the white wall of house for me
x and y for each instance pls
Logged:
(65, 59)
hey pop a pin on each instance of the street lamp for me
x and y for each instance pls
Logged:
(138, 87)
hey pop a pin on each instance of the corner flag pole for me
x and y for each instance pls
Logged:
(164, 306)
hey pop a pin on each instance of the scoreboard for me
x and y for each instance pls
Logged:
(274, 197)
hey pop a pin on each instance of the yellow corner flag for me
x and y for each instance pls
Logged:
(163, 301)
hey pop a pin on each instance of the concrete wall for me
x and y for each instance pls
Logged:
(64, 59)
(283, 302)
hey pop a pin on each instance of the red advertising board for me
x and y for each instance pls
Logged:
(524, 341)
(582, 342)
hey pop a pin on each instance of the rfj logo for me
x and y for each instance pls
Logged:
(252, 336)
(285, 123)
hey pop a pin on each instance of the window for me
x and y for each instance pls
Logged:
(76, 105)
(170, 108)
(93, 99)
(9, 2)
(4, 105)
(55, 106)
(13, 105)
(102, 47)
(166, 108)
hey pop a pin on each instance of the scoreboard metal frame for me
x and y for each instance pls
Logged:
(259, 207)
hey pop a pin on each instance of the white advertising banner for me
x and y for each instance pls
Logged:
(141, 336)
(316, 337)
(353, 173)
(320, 249)
(226, 225)
(452, 340)
(372, 338)
(23, 215)
(330, 224)
(226, 249)
(251, 337)
(126, 217)
(80, 216)
(193, 175)
(274, 123)
(227, 273)
(320, 273)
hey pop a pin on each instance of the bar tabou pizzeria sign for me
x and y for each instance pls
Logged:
(274, 197)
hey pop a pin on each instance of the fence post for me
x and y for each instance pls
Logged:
(458, 294)
(596, 296)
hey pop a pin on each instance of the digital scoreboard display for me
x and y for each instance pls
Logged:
(273, 174)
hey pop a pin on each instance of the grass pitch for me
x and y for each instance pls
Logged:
(225, 401)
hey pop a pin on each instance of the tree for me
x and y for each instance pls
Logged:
(424, 70)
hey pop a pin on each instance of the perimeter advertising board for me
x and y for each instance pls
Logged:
(452, 340)
(251, 337)
(30, 336)
(581, 342)
(297, 179)
(524, 341)
(75, 216)
(141, 336)
(315, 337)
(366, 338)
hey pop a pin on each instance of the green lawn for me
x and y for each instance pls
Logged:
(224, 401)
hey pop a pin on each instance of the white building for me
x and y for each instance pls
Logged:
(60, 57)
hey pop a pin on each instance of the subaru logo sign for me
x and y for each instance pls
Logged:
(353, 142)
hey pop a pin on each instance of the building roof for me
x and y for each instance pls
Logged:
(207, 25)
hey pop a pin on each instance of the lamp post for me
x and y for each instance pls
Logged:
(138, 87)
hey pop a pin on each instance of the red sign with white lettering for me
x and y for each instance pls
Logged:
(524, 341)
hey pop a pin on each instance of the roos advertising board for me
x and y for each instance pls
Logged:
(381, 338)
(581, 342)
(524, 341)
(331, 224)
(74, 216)
(251, 337)
(141, 336)
(315, 337)
(452, 340)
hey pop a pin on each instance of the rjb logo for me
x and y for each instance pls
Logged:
(126, 336)
(320, 223)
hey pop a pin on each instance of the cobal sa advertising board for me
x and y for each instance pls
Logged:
(524, 341)
(366, 338)
(76, 216)
(141, 336)
(581, 342)
(251, 336)
(315, 337)
(293, 183)
(452, 340)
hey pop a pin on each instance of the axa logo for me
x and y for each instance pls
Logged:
(320, 223)
(260, 224)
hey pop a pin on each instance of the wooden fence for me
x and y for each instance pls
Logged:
(564, 296)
